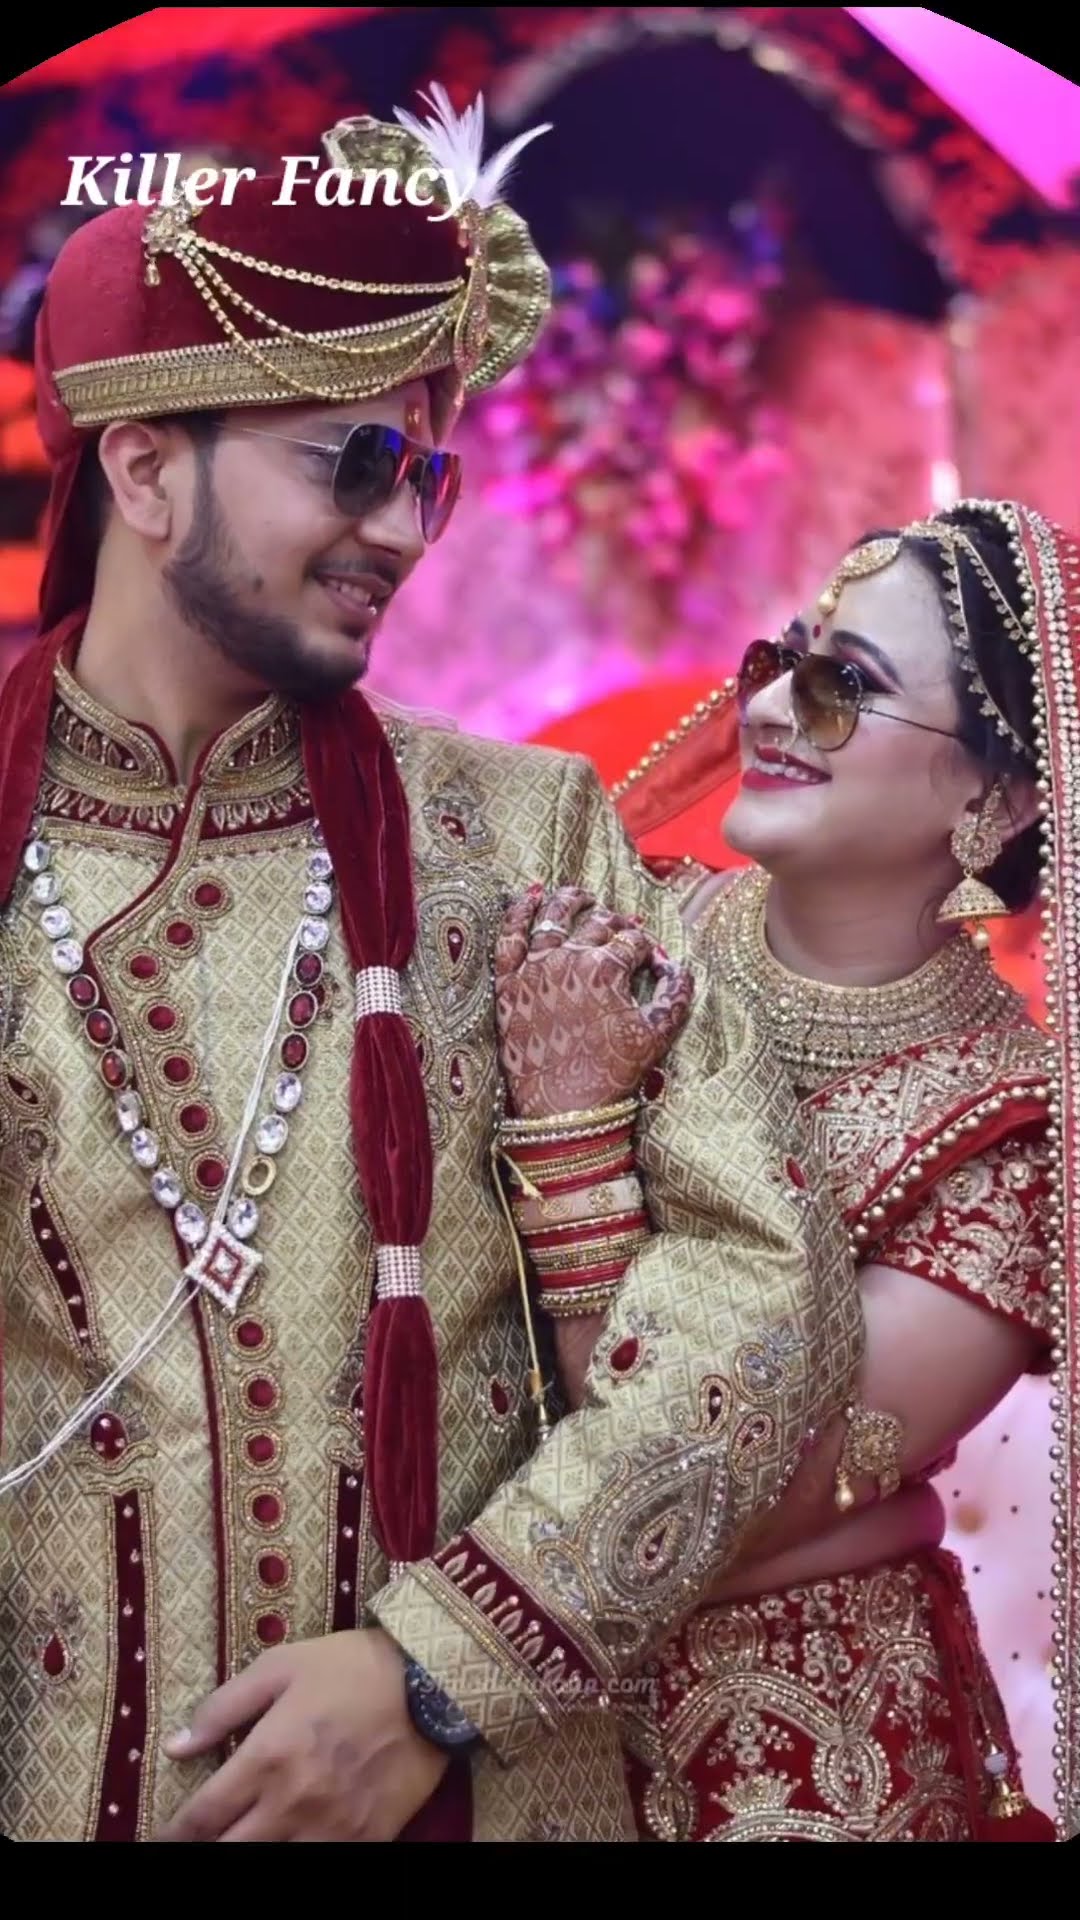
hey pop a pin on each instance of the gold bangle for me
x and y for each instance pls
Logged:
(555, 1127)
(595, 1253)
(576, 1304)
(873, 1445)
(599, 1161)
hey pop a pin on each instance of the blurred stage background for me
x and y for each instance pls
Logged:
(818, 270)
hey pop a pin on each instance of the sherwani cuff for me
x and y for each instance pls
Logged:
(505, 1662)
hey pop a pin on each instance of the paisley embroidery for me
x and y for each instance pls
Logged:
(456, 826)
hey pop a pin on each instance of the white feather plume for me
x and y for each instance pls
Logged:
(456, 145)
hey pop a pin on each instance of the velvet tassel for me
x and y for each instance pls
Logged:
(361, 806)
(401, 1422)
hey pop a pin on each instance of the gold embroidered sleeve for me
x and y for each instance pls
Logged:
(736, 1333)
(983, 1232)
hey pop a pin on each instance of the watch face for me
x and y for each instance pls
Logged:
(434, 1715)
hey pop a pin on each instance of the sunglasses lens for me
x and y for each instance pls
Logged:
(368, 470)
(439, 489)
(762, 663)
(825, 700)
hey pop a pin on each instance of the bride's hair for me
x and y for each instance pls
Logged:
(1008, 677)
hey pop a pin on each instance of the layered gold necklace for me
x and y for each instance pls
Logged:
(823, 1031)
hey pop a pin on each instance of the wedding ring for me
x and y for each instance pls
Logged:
(548, 926)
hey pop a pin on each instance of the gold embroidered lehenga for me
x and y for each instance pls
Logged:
(860, 1706)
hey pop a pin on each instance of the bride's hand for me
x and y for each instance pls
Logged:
(572, 1035)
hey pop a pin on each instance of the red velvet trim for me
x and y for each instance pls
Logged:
(512, 1612)
(121, 1779)
(55, 1253)
(345, 1556)
(214, 1425)
(361, 806)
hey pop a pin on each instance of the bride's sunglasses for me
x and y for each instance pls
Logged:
(372, 462)
(827, 694)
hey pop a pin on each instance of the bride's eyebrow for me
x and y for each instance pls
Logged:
(876, 653)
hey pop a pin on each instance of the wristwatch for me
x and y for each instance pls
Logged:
(434, 1714)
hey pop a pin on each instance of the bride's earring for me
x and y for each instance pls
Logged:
(976, 844)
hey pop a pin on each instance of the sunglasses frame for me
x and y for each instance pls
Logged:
(789, 660)
(414, 461)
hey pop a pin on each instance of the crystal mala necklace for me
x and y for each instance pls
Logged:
(223, 1259)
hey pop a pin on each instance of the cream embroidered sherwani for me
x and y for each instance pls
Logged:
(217, 1504)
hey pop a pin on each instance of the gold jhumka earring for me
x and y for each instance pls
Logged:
(976, 844)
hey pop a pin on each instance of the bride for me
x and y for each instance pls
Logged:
(897, 748)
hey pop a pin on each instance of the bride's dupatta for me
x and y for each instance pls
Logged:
(964, 1093)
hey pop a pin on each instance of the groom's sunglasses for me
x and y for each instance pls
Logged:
(372, 462)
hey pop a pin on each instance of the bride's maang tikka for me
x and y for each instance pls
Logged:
(952, 541)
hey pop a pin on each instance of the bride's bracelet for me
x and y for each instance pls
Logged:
(577, 1203)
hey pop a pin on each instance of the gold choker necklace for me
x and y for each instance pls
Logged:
(822, 1031)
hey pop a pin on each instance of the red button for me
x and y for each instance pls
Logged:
(177, 1069)
(261, 1449)
(273, 1570)
(194, 1119)
(261, 1394)
(309, 969)
(250, 1334)
(211, 1173)
(144, 966)
(208, 894)
(100, 1027)
(82, 990)
(266, 1508)
(162, 1019)
(302, 1009)
(294, 1050)
(179, 933)
(500, 1399)
(271, 1629)
(624, 1356)
(114, 1070)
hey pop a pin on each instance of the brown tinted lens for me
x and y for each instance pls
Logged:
(761, 663)
(825, 697)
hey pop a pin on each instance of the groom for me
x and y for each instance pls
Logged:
(281, 1558)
